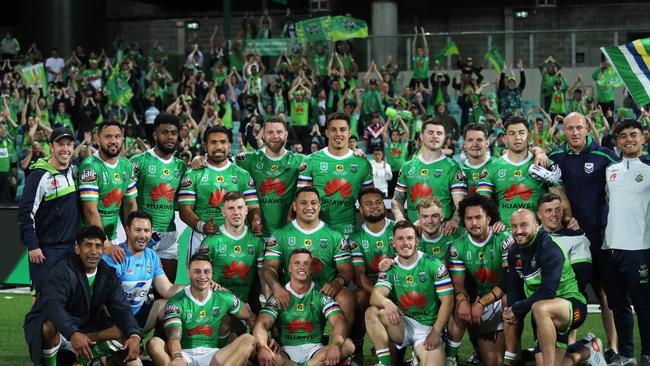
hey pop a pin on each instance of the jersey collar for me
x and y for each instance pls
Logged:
(288, 287)
(530, 155)
(284, 152)
(318, 227)
(442, 157)
(434, 240)
(420, 254)
(210, 166)
(327, 153)
(481, 244)
(467, 164)
(222, 229)
(112, 166)
(380, 233)
(153, 153)
(197, 302)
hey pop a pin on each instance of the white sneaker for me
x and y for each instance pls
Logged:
(451, 361)
(596, 354)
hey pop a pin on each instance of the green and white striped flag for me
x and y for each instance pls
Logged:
(632, 64)
(34, 76)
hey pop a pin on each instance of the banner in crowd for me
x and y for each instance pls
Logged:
(449, 49)
(34, 77)
(494, 57)
(331, 29)
(631, 62)
(269, 47)
(119, 90)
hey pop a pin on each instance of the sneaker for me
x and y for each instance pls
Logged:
(527, 355)
(474, 359)
(596, 354)
(451, 361)
(609, 355)
(645, 360)
(357, 359)
(619, 360)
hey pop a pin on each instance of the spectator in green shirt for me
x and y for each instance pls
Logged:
(420, 60)
(548, 70)
(606, 82)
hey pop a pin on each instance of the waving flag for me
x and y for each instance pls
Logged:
(119, 90)
(316, 29)
(34, 77)
(449, 50)
(343, 27)
(495, 59)
(632, 64)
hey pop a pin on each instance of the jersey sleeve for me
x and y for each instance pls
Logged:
(383, 280)
(234, 304)
(330, 307)
(157, 266)
(458, 182)
(88, 182)
(187, 191)
(401, 179)
(271, 308)
(357, 256)
(272, 249)
(132, 187)
(260, 253)
(486, 185)
(172, 313)
(341, 251)
(118, 267)
(247, 187)
(505, 241)
(136, 162)
(367, 180)
(441, 278)
(305, 174)
(456, 264)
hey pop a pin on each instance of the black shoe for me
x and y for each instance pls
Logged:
(610, 355)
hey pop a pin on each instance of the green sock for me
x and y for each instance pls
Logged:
(451, 349)
(509, 358)
(383, 356)
(302, 364)
(49, 356)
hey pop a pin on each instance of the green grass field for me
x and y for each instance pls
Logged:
(13, 350)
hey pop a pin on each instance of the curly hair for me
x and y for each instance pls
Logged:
(484, 202)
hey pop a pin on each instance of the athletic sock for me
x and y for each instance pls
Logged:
(383, 356)
(49, 356)
(451, 348)
(509, 358)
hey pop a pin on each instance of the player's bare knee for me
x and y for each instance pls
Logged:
(540, 310)
(372, 315)
(347, 348)
(48, 330)
(361, 296)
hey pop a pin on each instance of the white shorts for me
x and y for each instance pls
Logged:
(302, 353)
(415, 333)
(491, 320)
(199, 356)
(196, 238)
(167, 247)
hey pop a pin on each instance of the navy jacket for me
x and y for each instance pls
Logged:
(66, 301)
(583, 176)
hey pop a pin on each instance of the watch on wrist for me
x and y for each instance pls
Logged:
(199, 226)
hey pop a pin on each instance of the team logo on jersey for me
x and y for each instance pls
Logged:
(270, 242)
(354, 168)
(379, 244)
(316, 266)
(323, 166)
(117, 177)
(237, 249)
(241, 156)
(424, 172)
(216, 311)
(250, 249)
(162, 190)
(453, 253)
(149, 269)
(234, 180)
(435, 250)
(236, 269)
(507, 243)
(409, 279)
(307, 242)
(339, 167)
(259, 165)
(460, 176)
(365, 244)
(115, 196)
(300, 325)
(469, 255)
(483, 174)
(251, 182)
(519, 262)
(292, 240)
(639, 178)
(136, 168)
(274, 168)
(382, 276)
(420, 190)
(475, 176)
(442, 271)
(303, 167)
(423, 277)
(177, 173)
(518, 190)
(533, 263)
(411, 171)
(589, 168)
(88, 175)
(437, 173)
(152, 169)
(300, 307)
(501, 173)
(273, 185)
(481, 256)
(323, 243)
(171, 309)
(189, 314)
(222, 248)
(216, 197)
(202, 314)
(518, 173)
(186, 182)
(220, 179)
(204, 178)
(338, 185)
(166, 172)
(412, 298)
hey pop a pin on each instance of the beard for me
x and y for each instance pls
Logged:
(165, 149)
(108, 153)
(376, 218)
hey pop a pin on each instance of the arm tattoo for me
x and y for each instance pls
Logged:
(398, 201)
(173, 332)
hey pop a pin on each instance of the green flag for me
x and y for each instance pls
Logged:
(269, 46)
(343, 27)
(316, 29)
(495, 59)
(35, 77)
(449, 50)
(119, 90)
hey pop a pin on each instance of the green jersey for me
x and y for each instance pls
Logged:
(397, 154)
(275, 181)
(328, 249)
(368, 248)
(8, 154)
(205, 188)
(439, 247)
(107, 185)
(420, 67)
(512, 185)
(305, 319)
(418, 288)
(232, 259)
(200, 320)
(475, 173)
(338, 180)
(299, 113)
(442, 178)
(158, 181)
(486, 262)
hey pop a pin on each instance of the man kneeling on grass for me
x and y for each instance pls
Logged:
(302, 322)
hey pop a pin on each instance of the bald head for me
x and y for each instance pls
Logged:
(575, 130)
(523, 225)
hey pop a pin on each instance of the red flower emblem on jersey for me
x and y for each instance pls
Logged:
(472, 189)
(115, 196)
(374, 265)
(396, 152)
(273, 185)
(162, 190)
(316, 266)
(484, 275)
(420, 190)
(412, 299)
(518, 190)
(216, 197)
(300, 324)
(201, 329)
(236, 269)
(338, 185)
